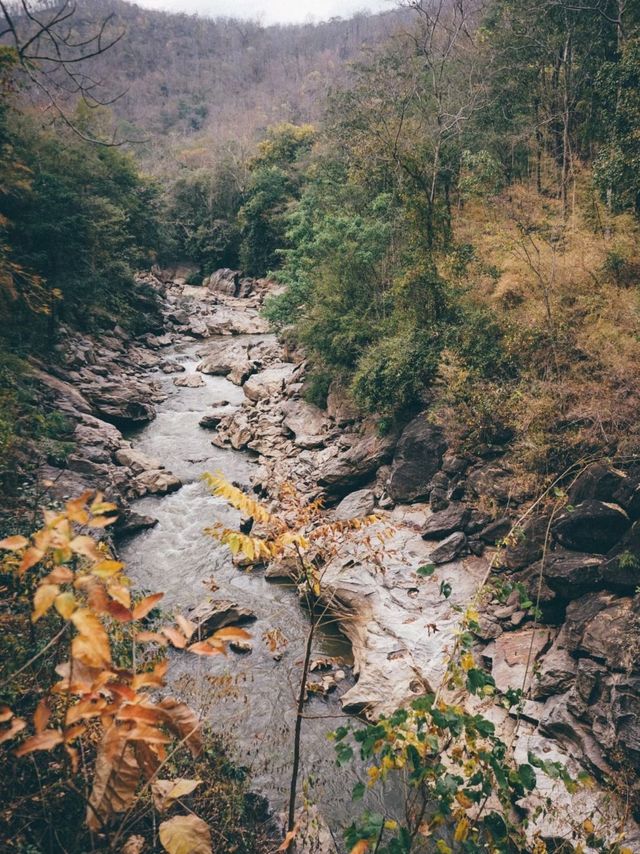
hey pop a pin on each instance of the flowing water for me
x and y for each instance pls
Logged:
(249, 698)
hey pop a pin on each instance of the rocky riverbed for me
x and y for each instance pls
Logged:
(577, 665)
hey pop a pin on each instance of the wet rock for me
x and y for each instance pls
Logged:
(449, 549)
(417, 458)
(360, 503)
(172, 368)
(241, 372)
(217, 614)
(131, 522)
(272, 381)
(189, 381)
(592, 526)
(222, 357)
(446, 522)
(157, 482)
(137, 461)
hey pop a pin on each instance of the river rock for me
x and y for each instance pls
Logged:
(241, 372)
(122, 404)
(305, 421)
(217, 614)
(172, 368)
(591, 526)
(156, 482)
(224, 281)
(222, 357)
(213, 419)
(417, 458)
(355, 505)
(265, 384)
(189, 381)
(137, 461)
(131, 522)
(449, 549)
(446, 522)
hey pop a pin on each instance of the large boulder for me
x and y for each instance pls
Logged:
(528, 543)
(340, 407)
(189, 381)
(155, 482)
(122, 404)
(513, 656)
(340, 474)
(600, 625)
(222, 357)
(266, 384)
(418, 456)
(224, 281)
(621, 567)
(449, 548)
(591, 526)
(306, 421)
(571, 574)
(355, 505)
(137, 461)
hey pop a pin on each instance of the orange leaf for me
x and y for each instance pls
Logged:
(183, 722)
(43, 599)
(176, 637)
(41, 716)
(91, 707)
(60, 575)
(16, 726)
(5, 714)
(147, 604)
(230, 633)
(360, 847)
(91, 646)
(140, 712)
(289, 839)
(153, 678)
(187, 626)
(44, 741)
(65, 604)
(204, 648)
(14, 544)
(30, 558)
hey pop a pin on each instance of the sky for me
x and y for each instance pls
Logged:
(271, 11)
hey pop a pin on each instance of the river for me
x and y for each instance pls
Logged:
(249, 698)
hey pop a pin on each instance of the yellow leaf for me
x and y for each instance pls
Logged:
(14, 544)
(65, 605)
(167, 792)
(588, 826)
(462, 830)
(467, 661)
(463, 800)
(185, 834)
(106, 568)
(43, 599)
(87, 547)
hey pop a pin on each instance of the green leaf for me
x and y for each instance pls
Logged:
(426, 570)
(445, 589)
(358, 792)
(527, 777)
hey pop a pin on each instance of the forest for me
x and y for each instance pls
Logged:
(341, 321)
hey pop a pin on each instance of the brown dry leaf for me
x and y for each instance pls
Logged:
(140, 712)
(90, 707)
(30, 558)
(121, 594)
(188, 628)
(152, 678)
(147, 758)
(147, 604)
(41, 716)
(115, 780)
(148, 734)
(60, 575)
(205, 648)
(184, 723)
(185, 834)
(231, 633)
(134, 845)
(167, 792)
(44, 741)
(91, 646)
(176, 637)
(87, 547)
(43, 599)
(5, 714)
(16, 726)
(291, 835)
(14, 544)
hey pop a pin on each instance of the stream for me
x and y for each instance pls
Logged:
(249, 698)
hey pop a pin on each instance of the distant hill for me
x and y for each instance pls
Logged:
(189, 77)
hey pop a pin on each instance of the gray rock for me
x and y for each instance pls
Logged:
(306, 421)
(449, 549)
(189, 381)
(340, 407)
(132, 523)
(360, 503)
(356, 465)
(268, 383)
(217, 614)
(445, 522)
(496, 530)
(222, 357)
(137, 461)
(570, 574)
(418, 456)
(621, 567)
(592, 526)
(598, 625)
(157, 482)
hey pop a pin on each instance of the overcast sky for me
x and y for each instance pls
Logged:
(271, 11)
